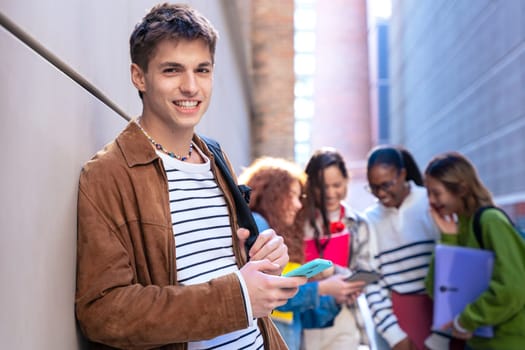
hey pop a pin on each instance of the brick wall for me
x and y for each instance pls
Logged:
(273, 78)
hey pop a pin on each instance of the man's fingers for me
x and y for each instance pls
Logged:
(243, 234)
(259, 245)
(267, 247)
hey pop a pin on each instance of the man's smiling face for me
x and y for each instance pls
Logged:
(177, 86)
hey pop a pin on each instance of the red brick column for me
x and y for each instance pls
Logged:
(273, 78)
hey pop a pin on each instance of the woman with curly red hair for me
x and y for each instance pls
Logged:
(277, 188)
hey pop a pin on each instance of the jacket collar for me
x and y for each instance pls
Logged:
(349, 213)
(137, 149)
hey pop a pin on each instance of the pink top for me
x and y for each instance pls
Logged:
(337, 250)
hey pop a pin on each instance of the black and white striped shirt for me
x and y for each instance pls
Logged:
(401, 243)
(203, 241)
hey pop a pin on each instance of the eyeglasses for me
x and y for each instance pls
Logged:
(385, 186)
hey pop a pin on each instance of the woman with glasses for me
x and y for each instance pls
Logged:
(334, 231)
(403, 236)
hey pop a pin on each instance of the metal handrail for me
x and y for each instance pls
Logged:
(58, 63)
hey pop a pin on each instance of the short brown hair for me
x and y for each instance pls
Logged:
(169, 21)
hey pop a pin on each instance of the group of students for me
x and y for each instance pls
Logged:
(164, 261)
(307, 206)
(396, 237)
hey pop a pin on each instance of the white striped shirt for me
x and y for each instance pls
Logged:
(401, 242)
(203, 241)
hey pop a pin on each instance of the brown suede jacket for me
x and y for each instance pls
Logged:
(127, 293)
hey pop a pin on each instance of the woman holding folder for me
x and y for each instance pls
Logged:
(456, 194)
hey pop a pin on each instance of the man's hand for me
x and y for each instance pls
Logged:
(267, 291)
(268, 246)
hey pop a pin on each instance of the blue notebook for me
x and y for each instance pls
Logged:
(461, 274)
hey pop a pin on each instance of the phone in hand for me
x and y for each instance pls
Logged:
(310, 269)
(364, 275)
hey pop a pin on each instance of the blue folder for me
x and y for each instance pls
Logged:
(460, 275)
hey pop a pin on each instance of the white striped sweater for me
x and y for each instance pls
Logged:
(401, 242)
(203, 240)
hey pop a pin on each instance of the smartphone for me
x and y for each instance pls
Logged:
(310, 269)
(364, 275)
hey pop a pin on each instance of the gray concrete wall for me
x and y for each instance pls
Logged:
(49, 126)
(458, 83)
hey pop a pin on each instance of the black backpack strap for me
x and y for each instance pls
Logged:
(241, 193)
(477, 222)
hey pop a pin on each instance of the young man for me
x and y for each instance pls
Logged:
(160, 254)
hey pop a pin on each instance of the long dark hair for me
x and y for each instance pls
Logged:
(397, 157)
(315, 201)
